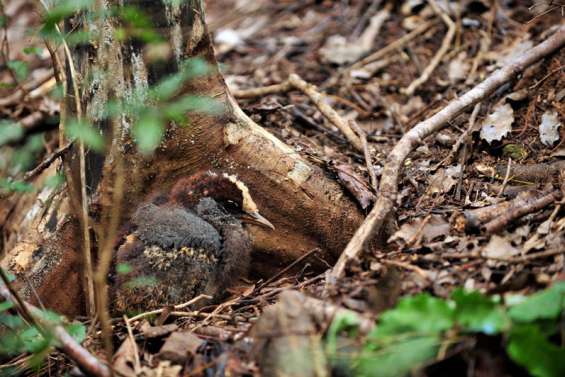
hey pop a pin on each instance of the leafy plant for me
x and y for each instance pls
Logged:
(412, 334)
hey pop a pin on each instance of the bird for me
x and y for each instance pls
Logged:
(188, 241)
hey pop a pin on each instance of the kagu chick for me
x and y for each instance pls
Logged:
(186, 242)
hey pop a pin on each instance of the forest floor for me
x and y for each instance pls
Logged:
(480, 203)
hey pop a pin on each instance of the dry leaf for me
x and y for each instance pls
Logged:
(355, 185)
(415, 231)
(179, 346)
(549, 128)
(458, 68)
(499, 247)
(498, 123)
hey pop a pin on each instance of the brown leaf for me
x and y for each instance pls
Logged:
(355, 185)
(179, 346)
(421, 229)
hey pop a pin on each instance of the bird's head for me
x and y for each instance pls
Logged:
(227, 190)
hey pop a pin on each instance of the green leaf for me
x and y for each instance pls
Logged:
(10, 132)
(399, 358)
(348, 322)
(547, 304)
(421, 314)
(77, 330)
(529, 348)
(6, 305)
(65, 8)
(167, 87)
(33, 341)
(124, 268)
(11, 321)
(20, 69)
(84, 132)
(54, 181)
(148, 132)
(475, 312)
(178, 109)
(33, 50)
(24, 157)
(15, 186)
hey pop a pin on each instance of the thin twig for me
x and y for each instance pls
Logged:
(367, 153)
(179, 306)
(445, 44)
(500, 222)
(287, 268)
(506, 177)
(47, 162)
(391, 172)
(137, 363)
(87, 257)
(296, 82)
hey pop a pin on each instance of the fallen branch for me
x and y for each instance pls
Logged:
(451, 28)
(513, 213)
(391, 172)
(472, 220)
(47, 162)
(296, 82)
(177, 307)
(66, 343)
(532, 172)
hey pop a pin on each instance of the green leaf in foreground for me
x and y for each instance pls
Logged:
(529, 348)
(421, 314)
(476, 312)
(9, 132)
(84, 132)
(77, 331)
(15, 186)
(20, 69)
(398, 358)
(547, 304)
(148, 132)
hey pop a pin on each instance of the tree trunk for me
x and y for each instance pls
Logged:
(307, 208)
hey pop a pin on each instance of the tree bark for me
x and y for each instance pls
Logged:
(308, 209)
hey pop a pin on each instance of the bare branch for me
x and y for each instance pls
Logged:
(391, 173)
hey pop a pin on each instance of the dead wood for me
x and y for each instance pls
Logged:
(532, 172)
(391, 172)
(490, 217)
(515, 212)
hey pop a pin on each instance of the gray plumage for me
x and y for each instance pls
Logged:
(174, 228)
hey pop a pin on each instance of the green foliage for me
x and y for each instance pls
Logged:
(410, 335)
(54, 181)
(478, 313)
(19, 68)
(548, 304)
(84, 132)
(123, 268)
(15, 186)
(10, 132)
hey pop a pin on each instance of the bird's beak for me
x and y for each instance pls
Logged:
(257, 219)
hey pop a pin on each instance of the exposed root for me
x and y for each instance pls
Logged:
(296, 82)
